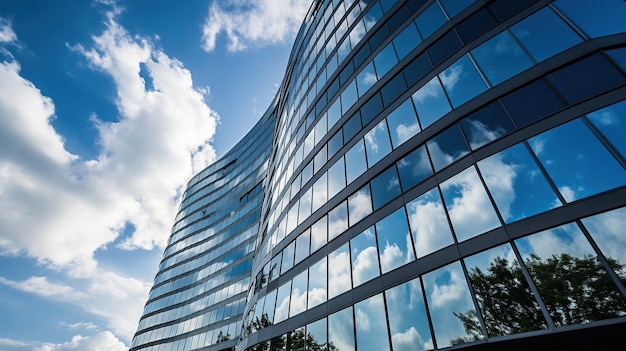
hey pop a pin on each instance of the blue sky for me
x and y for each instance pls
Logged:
(106, 109)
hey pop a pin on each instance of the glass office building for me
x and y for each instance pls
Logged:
(431, 174)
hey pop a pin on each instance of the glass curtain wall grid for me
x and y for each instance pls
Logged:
(440, 174)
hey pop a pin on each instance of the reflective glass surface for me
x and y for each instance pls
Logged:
(336, 178)
(302, 246)
(356, 163)
(408, 322)
(316, 335)
(447, 147)
(385, 60)
(270, 304)
(517, 185)
(414, 168)
(431, 102)
(299, 294)
(596, 21)
(364, 257)
(394, 241)
(320, 195)
(274, 268)
(486, 124)
(377, 143)
(611, 121)
(462, 81)
(348, 97)
(385, 187)
(365, 79)
(430, 20)
(359, 205)
(317, 283)
(337, 220)
(607, 230)
(469, 207)
(339, 277)
(282, 303)
(371, 324)
(288, 256)
(454, 317)
(341, 330)
(406, 41)
(501, 58)
(319, 234)
(402, 123)
(453, 7)
(429, 223)
(576, 161)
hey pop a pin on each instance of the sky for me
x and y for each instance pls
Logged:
(107, 108)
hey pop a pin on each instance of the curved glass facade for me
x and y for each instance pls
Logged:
(444, 173)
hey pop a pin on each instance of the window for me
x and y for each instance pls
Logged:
(403, 123)
(371, 324)
(317, 283)
(407, 40)
(339, 277)
(596, 21)
(414, 168)
(337, 220)
(462, 81)
(394, 238)
(377, 143)
(355, 161)
(407, 316)
(359, 205)
(385, 60)
(431, 102)
(611, 121)
(385, 187)
(501, 58)
(486, 124)
(364, 257)
(544, 103)
(447, 147)
(430, 20)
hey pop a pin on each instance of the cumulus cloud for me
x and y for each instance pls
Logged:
(7, 34)
(42, 287)
(406, 341)
(429, 223)
(104, 341)
(248, 23)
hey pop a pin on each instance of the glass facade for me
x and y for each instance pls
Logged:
(431, 174)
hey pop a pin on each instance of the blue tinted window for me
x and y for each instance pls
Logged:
(377, 143)
(462, 81)
(385, 60)
(595, 19)
(576, 160)
(486, 124)
(335, 143)
(447, 147)
(407, 40)
(545, 34)
(475, 25)
(453, 7)
(385, 187)
(444, 47)
(619, 55)
(431, 102)
(501, 58)
(395, 248)
(352, 126)
(402, 123)
(430, 20)
(364, 257)
(371, 109)
(611, 121)
(414, 168)
(348, 97)
(365, 79)
(394, 88)
(544, 102)
(355, 161)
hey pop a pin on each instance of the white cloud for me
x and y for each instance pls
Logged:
(12, 342)
(406, 341)
(365, 266)
(500, 177)
(446, 294)
(429, 224)
(78, 325)
(60, 209)
(249, 23)
(7, 35)
(104, 341)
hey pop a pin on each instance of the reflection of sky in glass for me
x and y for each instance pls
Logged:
(447, 147)
(359, 205)
(282, 303)
(430, 20)
(453, 7)
(339, 279)
(336, 178)
(364, 257)
(431, 102)
(576, 161)
(270, 302)
(607, 230)
(447, 293)
(317, 332)
(596, 20)
(501, 58)
(611, 121)
(414, 168)
(486, 124)
(366, 79)
(545, 34)
(385, 60)
(302, 246)
(407, 40)
(394, 241)
(318, 234)
(377, 143)
(468, 205)
(429, 223)
(288, 255)
(305, 205)
(337, 220)
(320, 192)
(402, 123)
(298, 294)
(355, 161)
(619, 56)
(348, 97)
(385, 187)
(274, 270)
(317, 283)
(517, 185)
(462, 81)
(371, 324)
(341, 330)
(407, 317)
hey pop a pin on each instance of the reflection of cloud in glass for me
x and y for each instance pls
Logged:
(406, 341)
(406, 132)
(360, 205)
(438, 156)
(298, 301)
(468, 205)
(339, 276)
(363, 322)
(607, 230)
(341, 329)
(451, 76)
(566, 238)
(431, 89)
(429, 223)
(448, 292)
(482, 135)
(499, 177)
(365, 266)
(371, 324)
(369, 79)
(371, 136)
(317, 283)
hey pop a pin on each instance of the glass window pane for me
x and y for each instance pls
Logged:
(431, 102)
(317, 283)
(501, 58)
(274, 267)
(348, 97)
(429, 223)
(279, 343)
(320, 195)
(394, 238)
(596, 21)
(430, 20)
(364, 257)
(316, 335)
(475, 25)
(545, 34)
(341, 330)
(485, 125)
(334, 113)
(295, 340)
(305, 205)
(447, 147)
(407, 40)
(385, 60)
(319, 236)
(462, 81)
(469, 207)
(611, 121)
(337, 220)
(576, 161)
(544, 103)
(302, 246)
(320, 159)
(619, 56)
(320, 129)
(359, 204)
(517, 185)
(447, 308)
(502, 292)
(414, 168)
(355, 161)
(607, 230)
(571, 280)
(268, 308)
(298, 293)
(282, 303)
(366, 79)
(339, 279)
(417, 69)
(336, 178)
(453, 7)
(377, 143)
(403, 123)
(408, 321)
(371, 324)
(352, 127)
(288, 255)
(385, 187)
(335, 143)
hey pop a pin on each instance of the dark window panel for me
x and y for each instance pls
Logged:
(531, 102)
(414, 5)
(377, 38)
(586, 78)
(475, 25)
(414, 168)
(504, 9)
(447, 147)
(320, 104)
(333, 88)
(352, 126)
(385, 187)
(394, 88)
(444, 47)
(486, 124)
(346, 73)
(394, 22)
(417, 69)
(361, 55)
(335, 143)
(371, 108)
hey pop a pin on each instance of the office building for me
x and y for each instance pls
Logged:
(431, 174)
